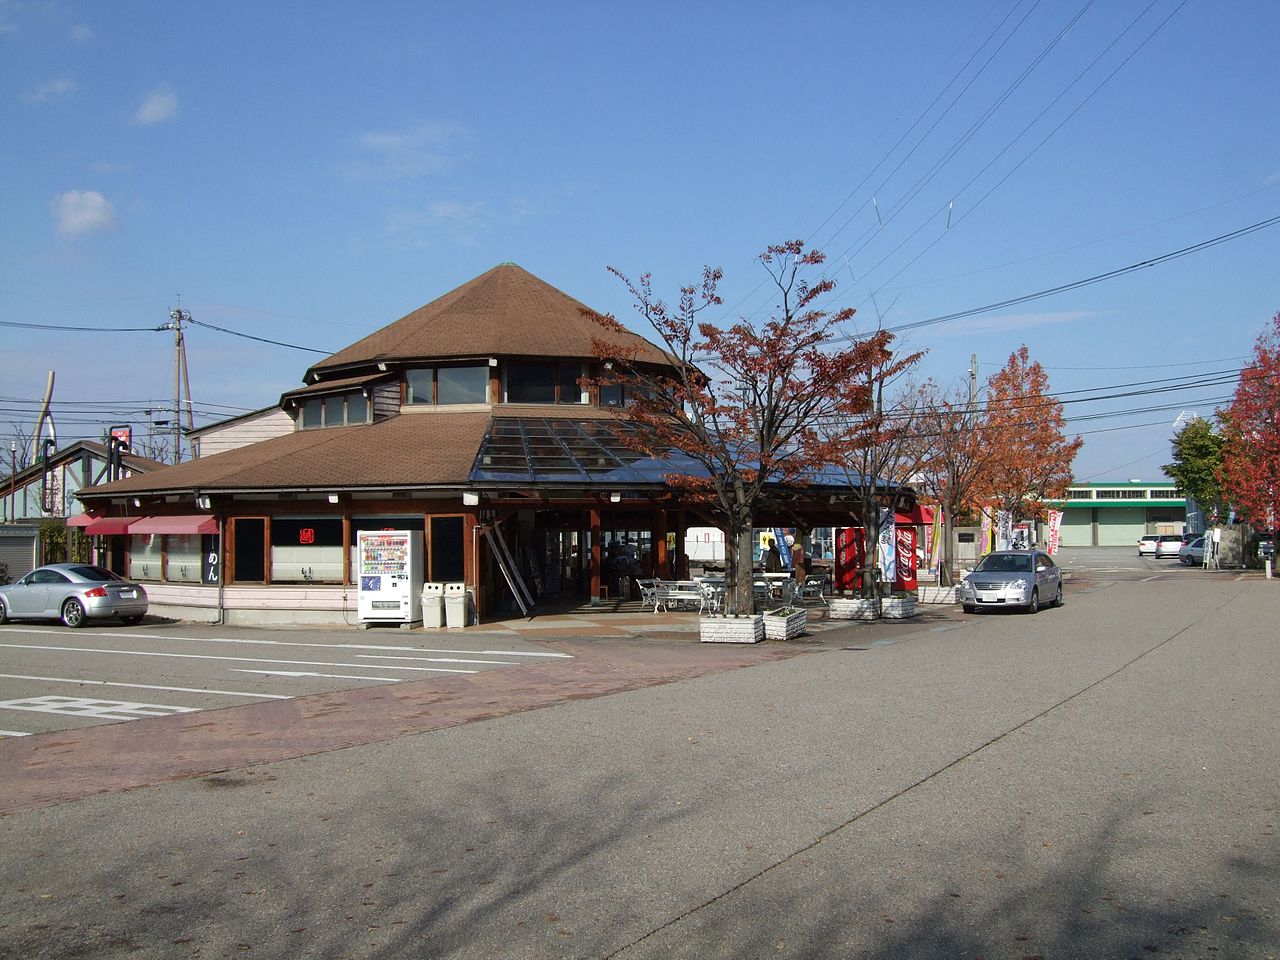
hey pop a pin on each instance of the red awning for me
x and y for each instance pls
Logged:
(81, 520)
(109, 526)
(191, 523)
(921, 516)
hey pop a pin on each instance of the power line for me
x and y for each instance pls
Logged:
(1087, 281)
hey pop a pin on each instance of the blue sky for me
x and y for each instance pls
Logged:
(310, 172)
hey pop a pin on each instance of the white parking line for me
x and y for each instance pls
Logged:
(307, 673)
(13, 733)
(379, 656)
(146, 686)
(284, 643)
(206, 656)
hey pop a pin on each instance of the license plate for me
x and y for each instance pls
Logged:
(128, 594)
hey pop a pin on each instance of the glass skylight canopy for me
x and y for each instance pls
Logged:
(564, 451)
(569, 451)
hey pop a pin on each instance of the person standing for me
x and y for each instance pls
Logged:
(799, 562)
(772, 557)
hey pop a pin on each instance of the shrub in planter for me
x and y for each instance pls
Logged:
(785, 623)
(862, 608)
(898, 607)
(731, 629)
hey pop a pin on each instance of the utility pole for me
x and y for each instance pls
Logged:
(181, 379)
(973, 382)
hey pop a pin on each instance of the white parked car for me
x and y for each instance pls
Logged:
(1192, 554)
(1013, 578)
(1147, 545)
(73, 593)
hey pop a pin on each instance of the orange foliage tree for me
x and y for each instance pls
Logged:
(953, 457)
(1251, 424)
(742, 402)
(1030, 455)
(875, 448)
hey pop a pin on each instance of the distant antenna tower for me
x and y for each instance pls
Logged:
(181, 380)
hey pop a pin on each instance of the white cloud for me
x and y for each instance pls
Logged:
(81, 33)
(80, 212)
(50, 90)
(425, 149)
(458, 222)
(1022, 321)
(159, 106)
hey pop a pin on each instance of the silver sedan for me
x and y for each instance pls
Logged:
(73, 593)
(1013, 578)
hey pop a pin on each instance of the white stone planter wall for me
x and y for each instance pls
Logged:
(898, 608)
(785, 628)
(936, 594)
(731, 629)
(841, 608)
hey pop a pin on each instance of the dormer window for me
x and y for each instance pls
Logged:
(337, 410)
(447, 385)
(544, 381)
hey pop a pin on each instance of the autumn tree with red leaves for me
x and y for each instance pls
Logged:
(1023, 426)
(742, 401)
(953, 457)
(1251, 425)
(875, 446)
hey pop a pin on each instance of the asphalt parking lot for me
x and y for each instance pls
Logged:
(54, 678)
(1094, 781)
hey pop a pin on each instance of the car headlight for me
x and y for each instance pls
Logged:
(1017, 584)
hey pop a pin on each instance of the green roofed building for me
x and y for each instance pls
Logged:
(1117, 514)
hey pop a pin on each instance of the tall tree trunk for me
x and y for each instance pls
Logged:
(743, 601)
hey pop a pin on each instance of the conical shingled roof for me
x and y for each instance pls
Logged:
(506, 311)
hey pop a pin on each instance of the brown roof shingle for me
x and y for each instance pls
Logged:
(506, 311)
(398, 452)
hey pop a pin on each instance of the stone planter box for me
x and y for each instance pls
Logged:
(785, 628)
(936, 595)
(898, 608)
(841, 608)
(731, 629)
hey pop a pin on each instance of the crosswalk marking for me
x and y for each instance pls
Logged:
(94, 709)
(146, 686)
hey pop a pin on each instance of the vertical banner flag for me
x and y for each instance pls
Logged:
(933, 547)
(1055, 531)
(984, 537)
(886, 548)
(1004, 530)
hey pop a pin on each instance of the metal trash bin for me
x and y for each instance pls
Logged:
(455, 605)
(433, 605)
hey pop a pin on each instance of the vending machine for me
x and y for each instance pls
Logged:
(389, 576)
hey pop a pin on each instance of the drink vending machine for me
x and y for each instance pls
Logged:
(390, 576)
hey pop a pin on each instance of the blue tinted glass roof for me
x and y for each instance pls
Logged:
(550, 451)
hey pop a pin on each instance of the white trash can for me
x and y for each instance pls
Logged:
(433, 605)
(455, 605)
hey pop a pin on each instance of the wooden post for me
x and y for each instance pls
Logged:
(682, 561)
(595, 557)
(661, 556)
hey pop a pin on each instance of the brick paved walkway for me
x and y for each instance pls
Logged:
(62, 766)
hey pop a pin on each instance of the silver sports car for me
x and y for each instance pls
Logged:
(72, 593)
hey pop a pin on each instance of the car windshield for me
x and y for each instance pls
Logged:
(95, 574)
(1005, 563)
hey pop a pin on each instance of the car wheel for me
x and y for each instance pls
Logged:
(73, 614)
(1034, 605)
(1058, 601)
(4, 614)
(968, 608)
(131, 620)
